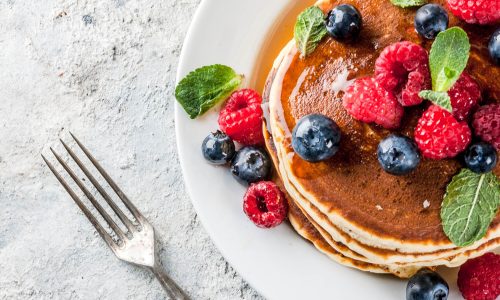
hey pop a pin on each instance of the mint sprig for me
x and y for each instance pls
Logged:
(309, 30)
(447, 60)
(439, 98)
(408, 3)
(470, 205)
(203, 88)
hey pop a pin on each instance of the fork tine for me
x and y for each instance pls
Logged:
(99, 188)
(94, 202)
(131, 207)
(104, 235)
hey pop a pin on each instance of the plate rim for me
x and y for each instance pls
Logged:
(177, 112)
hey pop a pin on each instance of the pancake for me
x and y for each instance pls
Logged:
(361, 212)
(451, 258)
(311, 231)
(352, 184)
(337, 251)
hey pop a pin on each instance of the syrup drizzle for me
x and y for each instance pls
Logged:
(341, 83)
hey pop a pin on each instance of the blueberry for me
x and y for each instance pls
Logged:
(430, 20)
(316, 138)
(218, 148)
(251, 165)
(344, 22)
(480, 158)
(494, 47)
(427, 285)
(398, 155)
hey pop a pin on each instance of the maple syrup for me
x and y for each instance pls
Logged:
(278, 36)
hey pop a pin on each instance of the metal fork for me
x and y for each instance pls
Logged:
(137, 245)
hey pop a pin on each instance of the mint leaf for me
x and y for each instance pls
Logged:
(469, 206)
(448, 58)
(441, 99)
(309, 30)
(408, 3)
(201, 89)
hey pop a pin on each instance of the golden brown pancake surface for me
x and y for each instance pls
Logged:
(353, 183)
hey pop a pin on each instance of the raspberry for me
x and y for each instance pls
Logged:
(476, 11)
(486, 124)
(465, 96)
(368, 102)
(241, 118)
(479, 278)
(439, 135)
(403, 68)
(265, 204)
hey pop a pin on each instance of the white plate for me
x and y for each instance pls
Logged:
(246, 35)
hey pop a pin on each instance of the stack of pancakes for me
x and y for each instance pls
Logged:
(348, 207)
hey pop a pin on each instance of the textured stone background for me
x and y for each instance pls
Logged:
(104, 70)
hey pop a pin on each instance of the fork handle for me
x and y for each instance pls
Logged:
(172, 289)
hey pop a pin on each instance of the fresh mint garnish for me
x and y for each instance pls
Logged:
(448, 58)
(439, 98)
(469, 206)
(201, 89)
(408, 3)
(309, 30)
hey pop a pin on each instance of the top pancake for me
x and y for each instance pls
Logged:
(352, 184)
(401, 261)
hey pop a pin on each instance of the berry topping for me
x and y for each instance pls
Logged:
(480, 158)
(479, 278)
(251, 164)
(427, 285)
(465, 96)
(218, 148)
(486, 124)
(241, 118)
(403, 68)
(439, 135)
(265, 205)
(398, 155)
(476, 11)
(368, 102)
(343, 22)
(430, 20)
(315, 138)
(494, 47)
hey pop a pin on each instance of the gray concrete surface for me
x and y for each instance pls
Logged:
(104, 70)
